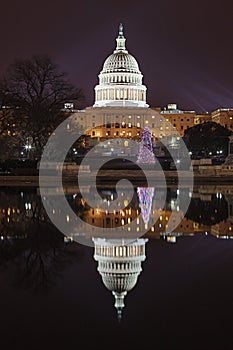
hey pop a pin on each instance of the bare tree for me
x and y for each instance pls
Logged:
(36, 90)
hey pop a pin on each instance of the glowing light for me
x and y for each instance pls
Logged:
(145, 196)
(146, 154)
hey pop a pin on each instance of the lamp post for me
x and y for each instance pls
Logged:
(28, 146)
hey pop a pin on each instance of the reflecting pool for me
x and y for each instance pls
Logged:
(169, 289)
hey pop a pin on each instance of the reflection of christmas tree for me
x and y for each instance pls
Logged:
(146, 154)
(145, 196)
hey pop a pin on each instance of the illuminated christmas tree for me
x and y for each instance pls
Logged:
(145, 195)
(146, 155)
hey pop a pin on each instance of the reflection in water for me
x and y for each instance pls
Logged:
(145, 196)
(210, 207)
(210, 211)
(187, 293)
(119, 264)
(31, 248)
(38, 252)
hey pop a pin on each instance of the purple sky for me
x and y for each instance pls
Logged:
(184, 49)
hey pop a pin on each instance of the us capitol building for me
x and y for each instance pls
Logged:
(120, 108)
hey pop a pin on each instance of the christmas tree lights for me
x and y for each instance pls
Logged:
(146, 155)
(145, 195)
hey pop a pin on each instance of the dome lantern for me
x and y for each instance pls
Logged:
(120, 40)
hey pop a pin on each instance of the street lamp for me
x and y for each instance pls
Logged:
(28, 148)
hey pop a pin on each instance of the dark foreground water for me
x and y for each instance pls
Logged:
(53, 297)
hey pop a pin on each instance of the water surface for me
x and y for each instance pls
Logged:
(53, 296)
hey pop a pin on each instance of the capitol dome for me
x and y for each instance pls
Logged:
(120, 81)
(121, 62)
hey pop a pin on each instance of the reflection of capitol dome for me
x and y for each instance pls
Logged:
(119, 264)
(120, 81)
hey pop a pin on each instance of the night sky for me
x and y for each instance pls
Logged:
(184, 49)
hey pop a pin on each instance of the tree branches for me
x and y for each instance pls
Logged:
(36, 90)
